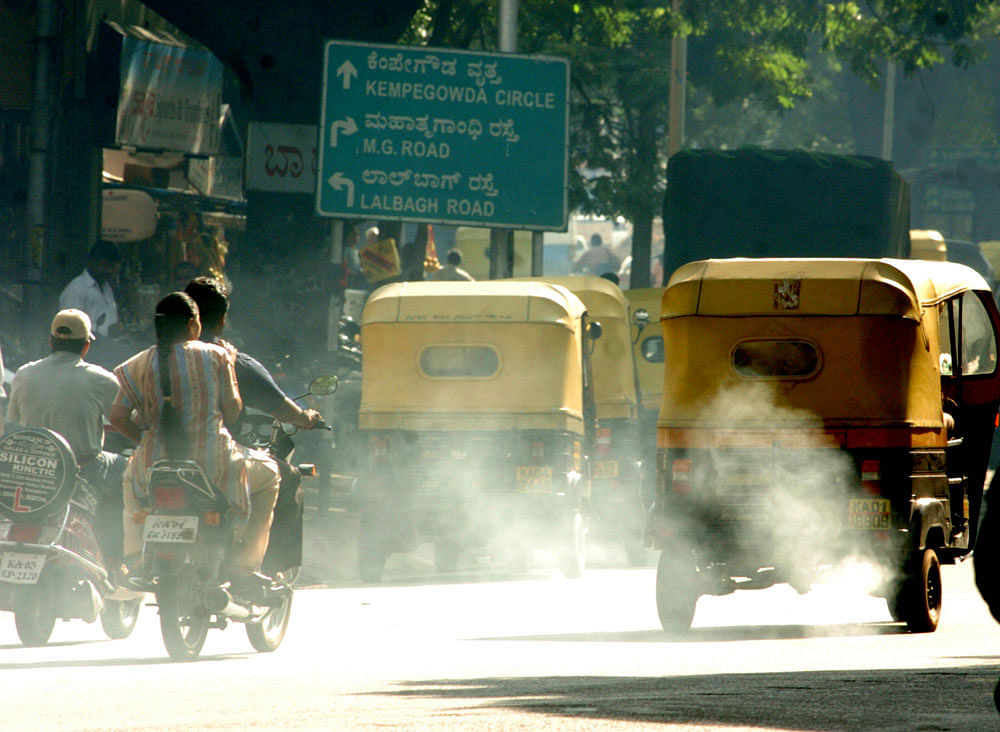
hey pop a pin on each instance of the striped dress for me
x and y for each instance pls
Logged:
(202, 381)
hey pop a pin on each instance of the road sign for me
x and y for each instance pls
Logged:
(444, 136)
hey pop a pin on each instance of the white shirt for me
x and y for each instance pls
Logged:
(97, 301)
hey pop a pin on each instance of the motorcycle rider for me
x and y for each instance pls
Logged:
(260, 392)
(68, 395)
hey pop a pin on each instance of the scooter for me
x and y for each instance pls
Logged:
(52, 563)
(188, 534)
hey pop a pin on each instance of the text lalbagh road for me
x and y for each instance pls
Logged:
(428, 134)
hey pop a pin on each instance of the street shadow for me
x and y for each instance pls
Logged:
(953, 698)
(721, 633)
(113, 662)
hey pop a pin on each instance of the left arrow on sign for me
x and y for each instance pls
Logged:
(347, 126)
(337, 181)
(347, 70)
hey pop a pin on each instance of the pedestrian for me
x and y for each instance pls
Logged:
(597, 259)
(91, 291)
(64, 393)
(175, 399)
(452, 270)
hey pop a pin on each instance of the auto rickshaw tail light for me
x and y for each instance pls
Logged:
(871, 477)
(212, 518)
(380, 447)
(139, 517)
(537, 450)
(681, 476)
(602, 443)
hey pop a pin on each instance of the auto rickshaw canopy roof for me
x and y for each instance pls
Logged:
(494, 301)
(612, 360)
(738, 286)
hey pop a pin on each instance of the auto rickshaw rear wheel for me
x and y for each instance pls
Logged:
(677, 589)
(917, 597)
(573, 552)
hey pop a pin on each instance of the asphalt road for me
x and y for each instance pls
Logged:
(481, 650)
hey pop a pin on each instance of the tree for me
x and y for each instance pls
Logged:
(750, 53)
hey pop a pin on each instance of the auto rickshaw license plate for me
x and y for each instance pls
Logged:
(605, 469)
(868, 513)
(21, 569)
(170, 529)
(533, 478)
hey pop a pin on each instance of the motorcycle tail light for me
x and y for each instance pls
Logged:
(24, 532)
(538, 450)
(211, 518)
(871, 477)
(139, 517)
(681, 476)
(307, 470)
(169, 496)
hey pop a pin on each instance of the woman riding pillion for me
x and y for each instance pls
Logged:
(174, 400)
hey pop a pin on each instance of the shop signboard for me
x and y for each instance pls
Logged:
(127, 215)
(171, 98)
(281, 158)
(443, 136)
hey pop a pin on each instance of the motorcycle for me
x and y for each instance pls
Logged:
(52, 562)
(188, 533)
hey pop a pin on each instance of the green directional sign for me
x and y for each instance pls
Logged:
(436, 135)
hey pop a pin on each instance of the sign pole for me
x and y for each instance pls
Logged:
(501, 241)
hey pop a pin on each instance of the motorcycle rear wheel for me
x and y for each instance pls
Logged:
(267, 634)
(34, 614)
(118, 617)
(183, 625)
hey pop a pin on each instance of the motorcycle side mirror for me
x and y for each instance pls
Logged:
(324, 385)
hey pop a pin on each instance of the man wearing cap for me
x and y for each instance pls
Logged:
(64, 393)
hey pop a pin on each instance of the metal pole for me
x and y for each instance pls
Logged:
(678, 84)
(501, 241)
(336, 304)
(42, 112)
(888, 113)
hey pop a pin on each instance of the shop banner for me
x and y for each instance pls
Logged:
(281, 158)
(171, 98)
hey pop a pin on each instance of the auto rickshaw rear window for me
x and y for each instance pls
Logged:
(652, 349)
(775, 359)
(459, 362)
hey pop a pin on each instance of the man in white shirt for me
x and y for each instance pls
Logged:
(451, 271)
(91, 290)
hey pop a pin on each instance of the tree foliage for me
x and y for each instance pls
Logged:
(742, 54)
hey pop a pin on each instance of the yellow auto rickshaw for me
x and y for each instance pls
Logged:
(817, 411)
(478, 414)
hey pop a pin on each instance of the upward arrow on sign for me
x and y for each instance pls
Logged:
(347, 70)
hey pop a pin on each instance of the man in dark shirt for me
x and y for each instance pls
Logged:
(259, 391)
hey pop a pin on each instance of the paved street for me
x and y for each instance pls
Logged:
(534, 652)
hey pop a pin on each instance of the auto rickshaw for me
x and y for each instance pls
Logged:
(647, 350)
(617, 507)
(818, 411)
(478, 414)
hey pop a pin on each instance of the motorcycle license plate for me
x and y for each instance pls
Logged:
(868, 513)
(170, 529)
(21, 569)
(534, 479)
(605, 469)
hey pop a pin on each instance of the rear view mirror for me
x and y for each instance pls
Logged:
(594, 330)
(324, 385)
(640, 318)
